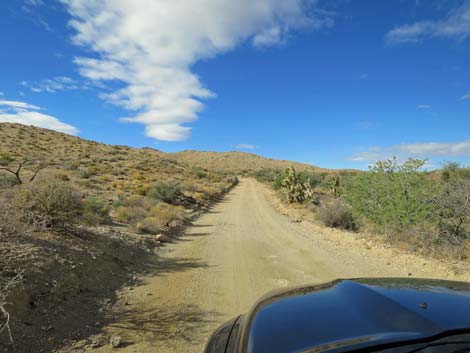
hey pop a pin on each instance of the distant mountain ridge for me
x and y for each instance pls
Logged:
(236, 161)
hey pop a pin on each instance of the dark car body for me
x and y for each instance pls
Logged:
(351, 315)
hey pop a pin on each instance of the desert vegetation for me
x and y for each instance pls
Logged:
(63, 198)
(427, 211)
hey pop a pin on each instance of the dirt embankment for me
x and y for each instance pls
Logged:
(231, 256)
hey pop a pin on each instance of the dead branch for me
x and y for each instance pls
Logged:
(4, 291)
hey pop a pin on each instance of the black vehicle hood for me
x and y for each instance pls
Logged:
(350, 314)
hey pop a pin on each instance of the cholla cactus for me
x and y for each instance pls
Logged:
(335, 183)
(295, 190)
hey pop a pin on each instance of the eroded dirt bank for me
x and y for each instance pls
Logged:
(231, 256)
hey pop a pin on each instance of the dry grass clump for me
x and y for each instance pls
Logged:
(159, 217)
(148, 215)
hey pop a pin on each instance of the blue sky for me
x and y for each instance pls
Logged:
(337, 84)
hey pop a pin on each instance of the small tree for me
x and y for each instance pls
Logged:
(36, 165)
(392, 195)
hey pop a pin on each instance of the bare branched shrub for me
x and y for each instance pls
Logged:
(5, 288)
(336, 213)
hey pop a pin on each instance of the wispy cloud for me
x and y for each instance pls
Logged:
(465, 96)
(366, 125)
(27, 114)
(150, 47)
(420, 150)
(52, 85)
(364, 76)
(18, 105)
(424, 106)
(455, 25)
(245, 146)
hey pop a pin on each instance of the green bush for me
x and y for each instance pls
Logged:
(166, 192)
(267, 175)
(95, 211)
(200, 173)
(393, 196)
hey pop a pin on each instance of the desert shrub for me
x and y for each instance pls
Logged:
(166, 192)
(61, 175)
(135, 201)
(335, 213)
(200, 172)
(188, 186)
(267, 175)
(7, 181)
(452, 206)
(150, 225)
(310, 178)
(118, 200)
(46, 203)
(142, 189)
(95, 211)
(159, 217)
(72, 165)
(453, 170)
(130, 214)
(232, 180)
(11, 218)
(5, 159)
(393, 196)
(84, 173)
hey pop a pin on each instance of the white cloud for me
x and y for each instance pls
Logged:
(27, 114)
(424, 106)
(465, 96)
(461, 148)
(18, 105)
(456, 25)
(421, 150)
(52, 85)
(151, 45)
(270, 36)
(245, 146)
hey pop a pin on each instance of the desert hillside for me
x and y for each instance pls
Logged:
(237, 162)
(98, 168)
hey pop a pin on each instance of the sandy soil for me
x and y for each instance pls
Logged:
(231, 256)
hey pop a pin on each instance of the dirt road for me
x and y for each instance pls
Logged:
(232, 255)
